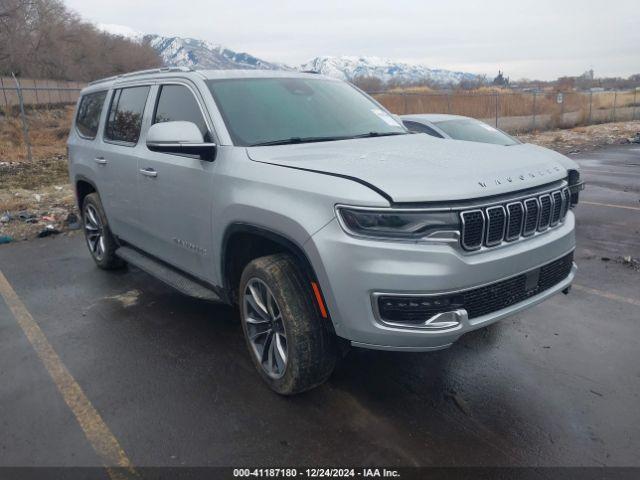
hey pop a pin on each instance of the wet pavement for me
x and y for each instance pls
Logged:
(557, 385)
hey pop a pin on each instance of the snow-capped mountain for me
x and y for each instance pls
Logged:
(351, 68)
(191, 52)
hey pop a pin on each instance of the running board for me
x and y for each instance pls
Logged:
(167, 274)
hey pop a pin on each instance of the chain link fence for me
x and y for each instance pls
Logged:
(20, 98)
(521, 111)
(38, 92)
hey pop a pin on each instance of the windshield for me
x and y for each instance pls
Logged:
(296, 110)
(475, 131)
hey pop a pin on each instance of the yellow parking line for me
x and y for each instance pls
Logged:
(610, 296)
(628, 207)
(96, 431)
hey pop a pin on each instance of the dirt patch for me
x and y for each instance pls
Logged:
(585, 139)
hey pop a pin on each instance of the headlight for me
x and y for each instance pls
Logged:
(399, 224)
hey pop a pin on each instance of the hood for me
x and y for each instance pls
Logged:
(420, 168)
(563, 160)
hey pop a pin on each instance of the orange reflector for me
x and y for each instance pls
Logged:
(316, 291)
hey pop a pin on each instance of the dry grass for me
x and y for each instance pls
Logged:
(48, 131)
(484, 102)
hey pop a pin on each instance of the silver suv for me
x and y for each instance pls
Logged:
(306, 203)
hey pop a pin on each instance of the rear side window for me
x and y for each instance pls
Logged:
(420, 128)
(125, 114)
(89, 111)
(177, 103)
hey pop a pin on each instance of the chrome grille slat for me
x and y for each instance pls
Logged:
(515, 221)
(491, 225)
(532, 209)
(496, 222)
(556, 209)
(472, 229)
(546, 204)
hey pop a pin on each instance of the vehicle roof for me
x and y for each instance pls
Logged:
(433, 117)
(185, 72)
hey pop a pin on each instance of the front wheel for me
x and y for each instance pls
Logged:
(292, 346)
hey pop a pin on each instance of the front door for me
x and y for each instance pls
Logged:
(176, 191)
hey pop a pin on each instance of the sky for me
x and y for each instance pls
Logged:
(538, 39)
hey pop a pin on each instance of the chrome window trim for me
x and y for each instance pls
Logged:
(519, 234)
(526, 233)
(543, 227)
(488, 228)
(462, 223)
(194, 93)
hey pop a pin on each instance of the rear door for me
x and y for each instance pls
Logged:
(176, 191)
(82, 140)
(118, 160)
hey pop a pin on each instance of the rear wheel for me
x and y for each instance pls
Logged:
(100, 241)
(292, 347)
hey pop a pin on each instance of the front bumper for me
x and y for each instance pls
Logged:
(352, 270)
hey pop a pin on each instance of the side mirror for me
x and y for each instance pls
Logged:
(182, 138)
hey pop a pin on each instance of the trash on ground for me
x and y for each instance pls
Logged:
(5, 239)
(73, 222)
(27, 217)
(48, 231)
(630, 262)
(6, 218)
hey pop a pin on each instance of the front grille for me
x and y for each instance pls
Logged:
(515, 220)
(532, 209)
(473, 229)
(545, 212)
(557, 207)
(494, 224)
(496, 221)
(414, 310)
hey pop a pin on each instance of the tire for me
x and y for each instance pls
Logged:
(309, 343)
(101, 243)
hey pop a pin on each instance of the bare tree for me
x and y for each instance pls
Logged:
(43, 39)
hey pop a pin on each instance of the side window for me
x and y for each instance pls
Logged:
(420, 128)
(177, 103)
(125, 114)
(88, 117)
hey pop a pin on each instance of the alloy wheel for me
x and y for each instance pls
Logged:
(94, 232)
(265, 328)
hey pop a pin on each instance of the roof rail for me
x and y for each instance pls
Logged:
(143, 72)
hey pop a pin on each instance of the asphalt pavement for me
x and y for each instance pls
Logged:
(171, 380)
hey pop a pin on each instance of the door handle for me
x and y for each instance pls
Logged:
(148, 172)
(100, 160)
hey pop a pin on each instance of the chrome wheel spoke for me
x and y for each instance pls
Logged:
(265, 327)
(94, 232)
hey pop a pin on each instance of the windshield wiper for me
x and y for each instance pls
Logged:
(292, 140)
(379, 134)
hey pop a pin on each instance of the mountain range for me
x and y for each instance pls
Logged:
(191, 52)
